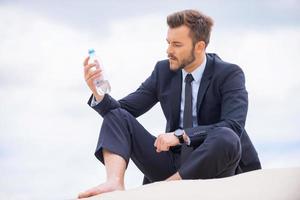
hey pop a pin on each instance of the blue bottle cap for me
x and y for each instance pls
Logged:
(91, 51)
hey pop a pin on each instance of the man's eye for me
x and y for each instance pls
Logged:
(177, 45)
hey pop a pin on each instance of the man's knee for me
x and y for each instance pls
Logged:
(115, 115)
(227, 139)
(119, 112)
(220, 150)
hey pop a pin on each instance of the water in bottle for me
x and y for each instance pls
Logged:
(101, 83)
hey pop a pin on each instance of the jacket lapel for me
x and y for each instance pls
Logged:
(206, 77)
(175, 98)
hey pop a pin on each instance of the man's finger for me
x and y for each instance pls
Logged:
(92, 72)
(155, 143)
(166, 148)
(88, 67)
(163, 146)
(94, 76)
(158, 145)
(86, 61)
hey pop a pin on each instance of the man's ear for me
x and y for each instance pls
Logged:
(200, 47)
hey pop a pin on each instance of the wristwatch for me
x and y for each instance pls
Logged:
(179, 134)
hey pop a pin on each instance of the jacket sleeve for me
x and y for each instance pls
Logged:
(234, 107)
(136, 103)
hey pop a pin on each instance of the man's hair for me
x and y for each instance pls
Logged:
(199, 24)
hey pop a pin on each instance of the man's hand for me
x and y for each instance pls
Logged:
(164, 141)
(92, 72)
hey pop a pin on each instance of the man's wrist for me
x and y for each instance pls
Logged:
(186, 139)
(95, 101)
(98, 97)
(182, 137)
(177, 140)
(179, 134)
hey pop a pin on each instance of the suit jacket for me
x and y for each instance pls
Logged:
(222, 102)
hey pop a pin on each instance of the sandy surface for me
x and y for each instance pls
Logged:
(281, 184)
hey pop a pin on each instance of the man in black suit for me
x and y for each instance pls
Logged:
(204, 101)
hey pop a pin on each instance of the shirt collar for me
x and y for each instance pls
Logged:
(197, 73)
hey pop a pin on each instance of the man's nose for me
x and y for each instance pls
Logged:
(169, 50)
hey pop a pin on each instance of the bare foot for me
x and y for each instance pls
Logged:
(102, 188)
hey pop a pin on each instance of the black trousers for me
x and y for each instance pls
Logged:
(218, 156)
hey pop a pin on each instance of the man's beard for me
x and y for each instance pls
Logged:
(185, 62)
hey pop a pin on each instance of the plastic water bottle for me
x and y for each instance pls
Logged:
(101, 83)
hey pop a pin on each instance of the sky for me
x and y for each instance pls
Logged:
(48, 133)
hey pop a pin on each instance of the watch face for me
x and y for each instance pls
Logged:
(178, 132)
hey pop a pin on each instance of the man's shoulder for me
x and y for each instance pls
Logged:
(220, 66)
(162, 67)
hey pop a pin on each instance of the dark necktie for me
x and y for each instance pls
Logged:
(187, 114)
